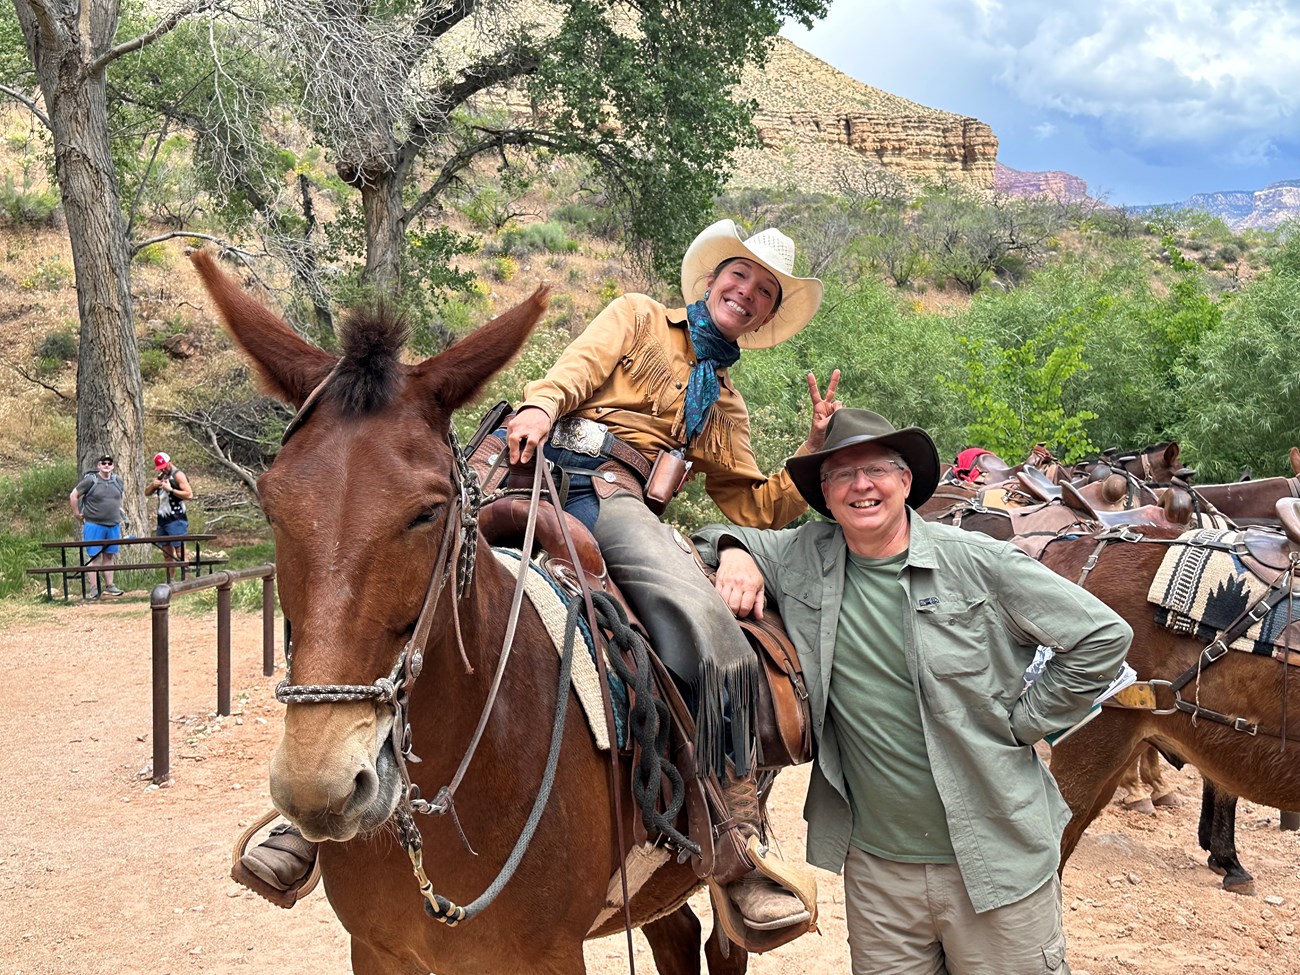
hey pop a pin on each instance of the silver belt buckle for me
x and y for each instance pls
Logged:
(580, 435)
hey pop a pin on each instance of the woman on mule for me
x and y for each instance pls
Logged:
(641, 381)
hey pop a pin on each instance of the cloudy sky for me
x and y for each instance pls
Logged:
(1150, 101)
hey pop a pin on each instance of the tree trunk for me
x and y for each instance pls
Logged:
(62, 38)
(381, 201)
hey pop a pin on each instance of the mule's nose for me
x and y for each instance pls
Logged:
(324, 776)
(365, 789)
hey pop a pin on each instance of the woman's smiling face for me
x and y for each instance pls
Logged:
(743, 295)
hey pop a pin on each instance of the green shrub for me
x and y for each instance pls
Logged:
(50, 274)
(61, 344)
(27, 205)
(582, 217)
(153, 362)
(521, 241)
(38, 492)
(154, 255)
(608, 291)
(577, 275)
(562, 313)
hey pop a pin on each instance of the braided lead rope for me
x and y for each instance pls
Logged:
(649, 723)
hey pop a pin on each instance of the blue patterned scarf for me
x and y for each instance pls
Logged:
(712, 350)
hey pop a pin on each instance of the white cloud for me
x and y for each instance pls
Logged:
(1147, 99)
(1162, 71)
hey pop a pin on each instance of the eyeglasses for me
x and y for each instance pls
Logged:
(105, 463)
(844, 476)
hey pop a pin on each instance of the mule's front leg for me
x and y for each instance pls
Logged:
(1217, 832)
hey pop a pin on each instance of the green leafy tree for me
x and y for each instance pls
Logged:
(67, 49)
(970, 239)
(642, 91)
(1015, 394)
(1241, 387)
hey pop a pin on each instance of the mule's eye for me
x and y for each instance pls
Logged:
(426, 517)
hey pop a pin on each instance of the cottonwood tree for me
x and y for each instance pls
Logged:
(397, 93)
(70, 46)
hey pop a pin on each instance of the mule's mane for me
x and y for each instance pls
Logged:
(370, 370)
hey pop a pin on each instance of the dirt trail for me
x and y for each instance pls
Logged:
(100, 872)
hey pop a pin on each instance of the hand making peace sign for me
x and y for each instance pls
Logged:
(823, 408)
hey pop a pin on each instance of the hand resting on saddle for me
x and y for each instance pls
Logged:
(739, 583)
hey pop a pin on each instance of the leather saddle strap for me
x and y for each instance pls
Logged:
(544, 470)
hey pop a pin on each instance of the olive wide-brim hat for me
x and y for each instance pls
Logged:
(850, 427)
(800, 297)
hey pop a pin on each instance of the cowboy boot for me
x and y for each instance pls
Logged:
(283, 861)
(765, 904)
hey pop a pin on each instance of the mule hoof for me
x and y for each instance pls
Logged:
(1142, 806)
(1246, 888)
(1170, 800)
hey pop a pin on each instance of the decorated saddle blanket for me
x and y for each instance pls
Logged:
(1202, 591)
(552, 605)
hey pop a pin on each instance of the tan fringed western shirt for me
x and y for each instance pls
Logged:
(628, 369)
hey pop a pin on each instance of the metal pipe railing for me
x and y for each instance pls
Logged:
(160, 605)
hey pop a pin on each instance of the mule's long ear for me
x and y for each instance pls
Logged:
(1295, 460)
(456, 376)
(290, 368)
(1171, 455)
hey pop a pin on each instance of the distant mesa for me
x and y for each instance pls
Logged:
(1265, 209)
(816, 123)
(1054, 184)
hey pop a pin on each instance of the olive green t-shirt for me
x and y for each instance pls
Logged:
(897, 812)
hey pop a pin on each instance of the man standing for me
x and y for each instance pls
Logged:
(97, 503)
(914, 639)
(173, 490)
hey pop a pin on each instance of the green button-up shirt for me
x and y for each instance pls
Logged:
(977, 610)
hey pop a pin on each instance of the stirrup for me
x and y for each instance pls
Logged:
(240, 874)
(798, 880)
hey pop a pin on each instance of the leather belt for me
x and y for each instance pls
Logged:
(588, 437)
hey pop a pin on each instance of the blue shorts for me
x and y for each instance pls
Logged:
(91, 532)
(177, 525)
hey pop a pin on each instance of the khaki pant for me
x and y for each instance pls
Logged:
(916, 919)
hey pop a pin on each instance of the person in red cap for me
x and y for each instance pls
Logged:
(173, 489)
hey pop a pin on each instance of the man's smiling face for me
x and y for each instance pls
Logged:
(871, 510)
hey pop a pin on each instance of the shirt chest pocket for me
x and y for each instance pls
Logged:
(956, 635)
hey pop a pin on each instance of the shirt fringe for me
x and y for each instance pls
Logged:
(646, 364)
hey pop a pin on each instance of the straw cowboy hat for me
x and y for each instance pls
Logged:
(850, 427)
(770, 248)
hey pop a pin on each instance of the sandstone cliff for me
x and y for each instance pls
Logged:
(815, 121)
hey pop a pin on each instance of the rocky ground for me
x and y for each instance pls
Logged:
(102, 872)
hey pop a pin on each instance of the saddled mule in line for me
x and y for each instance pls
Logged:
(359, 499)
(1260, 691)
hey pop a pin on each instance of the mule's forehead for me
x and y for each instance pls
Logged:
(394, 442)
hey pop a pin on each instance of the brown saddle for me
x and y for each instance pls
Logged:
(1277, 550)
(784, 720)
